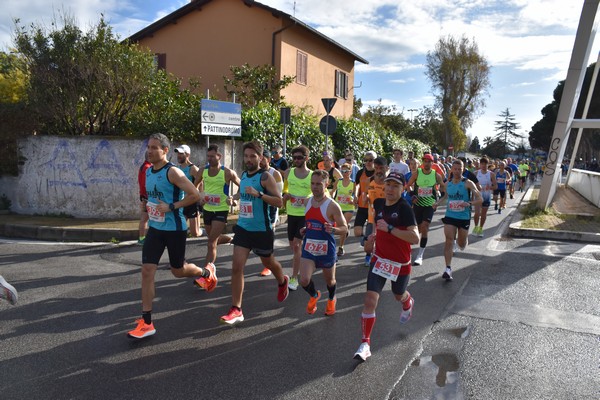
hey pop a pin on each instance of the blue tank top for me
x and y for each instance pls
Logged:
(187, 173)
(317, 241)
(254, 212)
(501, 180)
(158, 188)
(457, 193)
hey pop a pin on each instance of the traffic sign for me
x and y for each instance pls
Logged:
(328, 125)
(220, 118)
(328, 103)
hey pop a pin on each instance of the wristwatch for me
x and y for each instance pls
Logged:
(260, 195)
(390, 228)
(172, 207)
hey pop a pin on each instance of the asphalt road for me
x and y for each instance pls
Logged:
(521, 320)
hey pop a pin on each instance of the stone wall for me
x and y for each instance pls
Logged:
(90, 176)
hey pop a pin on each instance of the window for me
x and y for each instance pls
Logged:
(160, 61)
(301, 67)
(341, 84)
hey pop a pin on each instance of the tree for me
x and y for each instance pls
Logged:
(255, 84)
(460, 80)
(13, 78)
(82, 83)
(493, 147)
(474, 146)
(506, 130)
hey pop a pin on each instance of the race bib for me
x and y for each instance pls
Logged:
(387, 268)
(344, 199)
(246, 210)
(212, 199)
(153, 213)
(299, 202)
(500, 180)
(425, 191)
(316, 247)
(456, 205)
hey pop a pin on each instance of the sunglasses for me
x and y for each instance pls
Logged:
(298, 157)
(345, 170)
(368, 160)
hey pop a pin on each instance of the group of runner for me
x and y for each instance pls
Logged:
(397, 207)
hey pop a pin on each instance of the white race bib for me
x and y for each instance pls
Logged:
(153, 213)
(344, 199)
(299, 202)
(456, 205)
(212, 199)
(387, 268)
(246, 210)
(425, 191)
(316, 247)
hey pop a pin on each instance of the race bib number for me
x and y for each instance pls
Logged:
(212, 199)
(500, 180)
(344, 199)
(316, 247)
(425, 191)
(246, 210)
(456, 205)
(387, 269)
(299, 202)
(153, 213)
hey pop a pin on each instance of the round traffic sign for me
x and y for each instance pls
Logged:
(328, 125)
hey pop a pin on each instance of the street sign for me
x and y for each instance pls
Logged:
(285, 115)
(450, 147)
(221, 118)
(328, 125)
(328, 103)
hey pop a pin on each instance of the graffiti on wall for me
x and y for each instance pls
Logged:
(552, 157)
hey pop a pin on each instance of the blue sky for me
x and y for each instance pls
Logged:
(528, 43)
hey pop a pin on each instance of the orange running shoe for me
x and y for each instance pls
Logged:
(312, 303)
(142, 330)
(210, 283)
(232, 317)
(330, 310)
(265, 272)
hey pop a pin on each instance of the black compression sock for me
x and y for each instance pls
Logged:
(147, 316)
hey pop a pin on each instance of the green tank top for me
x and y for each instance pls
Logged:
(215, 189)
(425, 188)
(299, 191)
(345, 196)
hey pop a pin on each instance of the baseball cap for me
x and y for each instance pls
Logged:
(427, 157)
(184, 148)
(396, 177)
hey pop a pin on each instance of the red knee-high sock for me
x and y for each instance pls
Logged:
(367, 321)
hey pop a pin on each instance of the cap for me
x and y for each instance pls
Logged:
(184, 148)
(396, 177)
(427, 157)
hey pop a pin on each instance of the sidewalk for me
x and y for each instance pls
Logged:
(582, 224)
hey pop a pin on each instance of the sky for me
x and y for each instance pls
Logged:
(527, 43)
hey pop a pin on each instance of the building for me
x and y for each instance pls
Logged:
(204, 38)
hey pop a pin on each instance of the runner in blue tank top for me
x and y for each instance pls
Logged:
(324, 218)
(461, 194)
(165, 186)
(258, 191)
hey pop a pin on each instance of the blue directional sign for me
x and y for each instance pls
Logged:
(221, 118)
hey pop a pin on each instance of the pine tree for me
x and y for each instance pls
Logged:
(506, 131)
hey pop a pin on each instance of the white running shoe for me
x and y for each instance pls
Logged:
(363, 352)
(293, 284)
(8, 292)
(455, 248)
(447, 275)
(418, 259)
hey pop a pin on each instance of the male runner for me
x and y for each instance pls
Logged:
(190, 171)
(487, 182)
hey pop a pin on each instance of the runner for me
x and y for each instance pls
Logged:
(375, 191)
(298, 192)
(324, 218)
(254, 231)
(514, 171)
(143, 225)
(459, 192)
(502, 177)
(398, 165)
(334, 174)
(345, 198)
(396, 231)
(424, 182)
(487, 182)
(363, 177)
(190, 171)
(166, 187)
(265, 164)
(523, 172)
(215, 179)
(8, 292)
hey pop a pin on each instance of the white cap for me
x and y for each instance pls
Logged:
(184, 148)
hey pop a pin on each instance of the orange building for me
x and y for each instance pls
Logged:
(204, 38)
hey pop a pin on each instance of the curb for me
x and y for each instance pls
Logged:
(515, 230)
(62, 234)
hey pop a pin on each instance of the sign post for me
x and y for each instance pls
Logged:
(221, 118)
(328, 124)
(285, 119)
